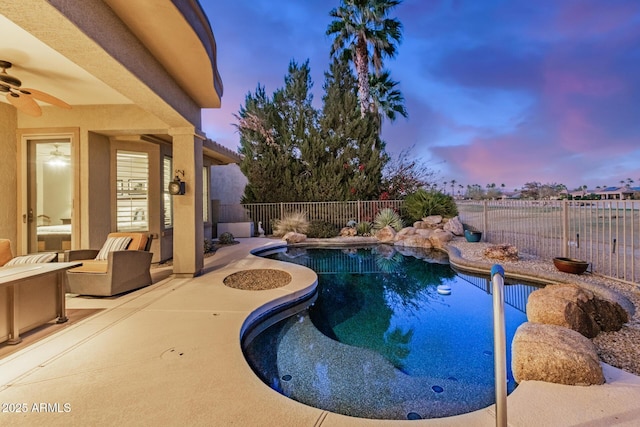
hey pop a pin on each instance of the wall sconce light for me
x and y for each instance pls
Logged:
(177, 186)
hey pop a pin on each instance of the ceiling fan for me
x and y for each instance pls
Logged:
(58, 158)
(22, 98)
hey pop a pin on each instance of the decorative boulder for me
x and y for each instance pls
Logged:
(386, 234)
(407, 231)
(439, 238)
(348, 232)
(454, 226)
(293, 237)
(414, 241)
(575, 308)
(554, 354)
(502, 252)
(425, 232)
(432, 220)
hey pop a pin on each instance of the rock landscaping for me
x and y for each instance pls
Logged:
(554, 354)
(575, 308)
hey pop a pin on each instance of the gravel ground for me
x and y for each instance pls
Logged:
(621, 348)
(258, 279)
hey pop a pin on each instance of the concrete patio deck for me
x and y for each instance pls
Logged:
(170, 354)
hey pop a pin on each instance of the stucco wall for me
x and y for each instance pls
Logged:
(96, 222)
(227, 184)
(8, 173)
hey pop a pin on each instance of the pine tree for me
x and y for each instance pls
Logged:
(271, 133)
(294, 153)
(351, 139)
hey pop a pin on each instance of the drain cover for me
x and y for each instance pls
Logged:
(172, 353)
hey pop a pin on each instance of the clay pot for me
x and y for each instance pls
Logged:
(570, 265)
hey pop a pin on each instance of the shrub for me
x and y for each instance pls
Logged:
(363, 228)
(209, 246)
(322, 230)
(296, 222)
(226, 238)
(424, 203)
(388, 216)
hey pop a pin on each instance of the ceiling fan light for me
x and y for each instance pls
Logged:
(57, 158)
(57, 162)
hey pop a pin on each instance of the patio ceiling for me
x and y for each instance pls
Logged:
(108, 53)
(40, 67)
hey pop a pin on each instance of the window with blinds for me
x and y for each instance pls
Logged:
(132, 191)
(167, 167)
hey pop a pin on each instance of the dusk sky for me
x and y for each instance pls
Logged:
(497, 91)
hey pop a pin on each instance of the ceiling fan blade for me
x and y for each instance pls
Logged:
(45, 97)
(25, 104)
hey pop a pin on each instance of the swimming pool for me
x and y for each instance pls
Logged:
(380, 341)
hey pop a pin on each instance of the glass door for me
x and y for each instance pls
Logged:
(50, 195)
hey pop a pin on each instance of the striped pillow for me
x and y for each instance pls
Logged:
(33, 259)
(113, 244)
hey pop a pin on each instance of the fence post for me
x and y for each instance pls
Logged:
(359, 211)
(485, 220)
(565, 228)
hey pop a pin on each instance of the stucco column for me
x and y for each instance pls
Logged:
(188, 233)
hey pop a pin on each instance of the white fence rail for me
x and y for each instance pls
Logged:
(337, 213)
(605, 233)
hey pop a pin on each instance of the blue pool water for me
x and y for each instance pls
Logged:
(380, 341)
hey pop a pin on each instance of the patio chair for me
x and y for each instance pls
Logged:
(121, 265)
(7, 259)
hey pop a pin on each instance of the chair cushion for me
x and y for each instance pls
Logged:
(113, 244)
(138, 240)
(33, 259)
(91, 266)
(5, 251)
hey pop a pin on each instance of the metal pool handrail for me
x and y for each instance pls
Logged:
(499, 345)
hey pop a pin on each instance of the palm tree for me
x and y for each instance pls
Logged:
(453, 184)
(386, 101)
(365, 34)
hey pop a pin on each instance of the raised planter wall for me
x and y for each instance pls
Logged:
(238, 229)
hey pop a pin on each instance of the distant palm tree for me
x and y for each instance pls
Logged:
(453, 184)
(365, 34)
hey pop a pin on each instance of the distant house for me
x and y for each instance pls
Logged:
(134, 77)
(617, 193)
